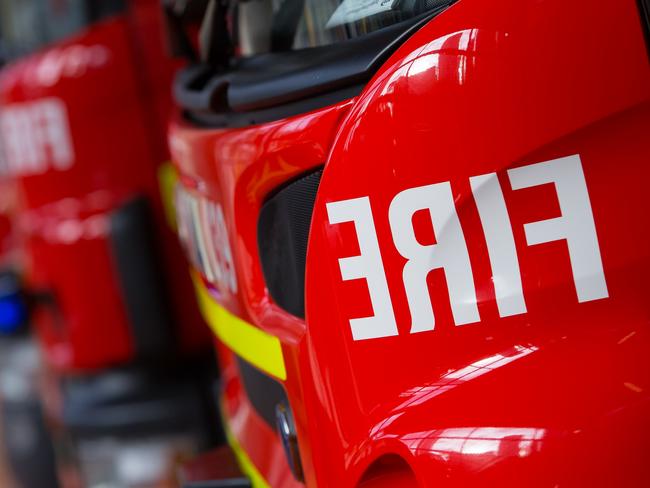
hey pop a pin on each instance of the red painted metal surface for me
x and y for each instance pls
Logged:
(7, 228)
(555, 395)
(97, 141)
(237, 169)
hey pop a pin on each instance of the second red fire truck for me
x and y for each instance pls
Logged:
(83, 103)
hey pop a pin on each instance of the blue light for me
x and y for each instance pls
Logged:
(12, 313)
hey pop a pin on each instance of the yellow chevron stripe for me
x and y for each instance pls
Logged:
(245, 463)
(254, 345)
(167, 179)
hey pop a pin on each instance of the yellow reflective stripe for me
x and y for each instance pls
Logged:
(167, 178)
(245, 463)
(247, 341)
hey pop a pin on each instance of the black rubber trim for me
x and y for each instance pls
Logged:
(282, 236)
(263, 392)
(280, 79)
(644, 11)
(246, 119)
(134, 252)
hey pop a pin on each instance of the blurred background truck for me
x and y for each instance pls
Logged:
(84, 99)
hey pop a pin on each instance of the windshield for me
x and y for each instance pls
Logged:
(284, 25)
(328, 21)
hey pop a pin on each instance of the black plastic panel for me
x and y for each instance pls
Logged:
(282, 234)
(270, 401)
(134, 401)
(264, 393)
(134, 252)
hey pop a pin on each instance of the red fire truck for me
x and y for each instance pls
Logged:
(418, 232)
(83, 106)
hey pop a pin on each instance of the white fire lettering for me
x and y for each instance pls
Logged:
(36, 137)
(575, 225)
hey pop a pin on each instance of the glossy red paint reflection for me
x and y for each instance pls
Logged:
(554, 396)
(238, 169)
(530, 399)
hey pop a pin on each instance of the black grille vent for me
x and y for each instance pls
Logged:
(282, 233)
